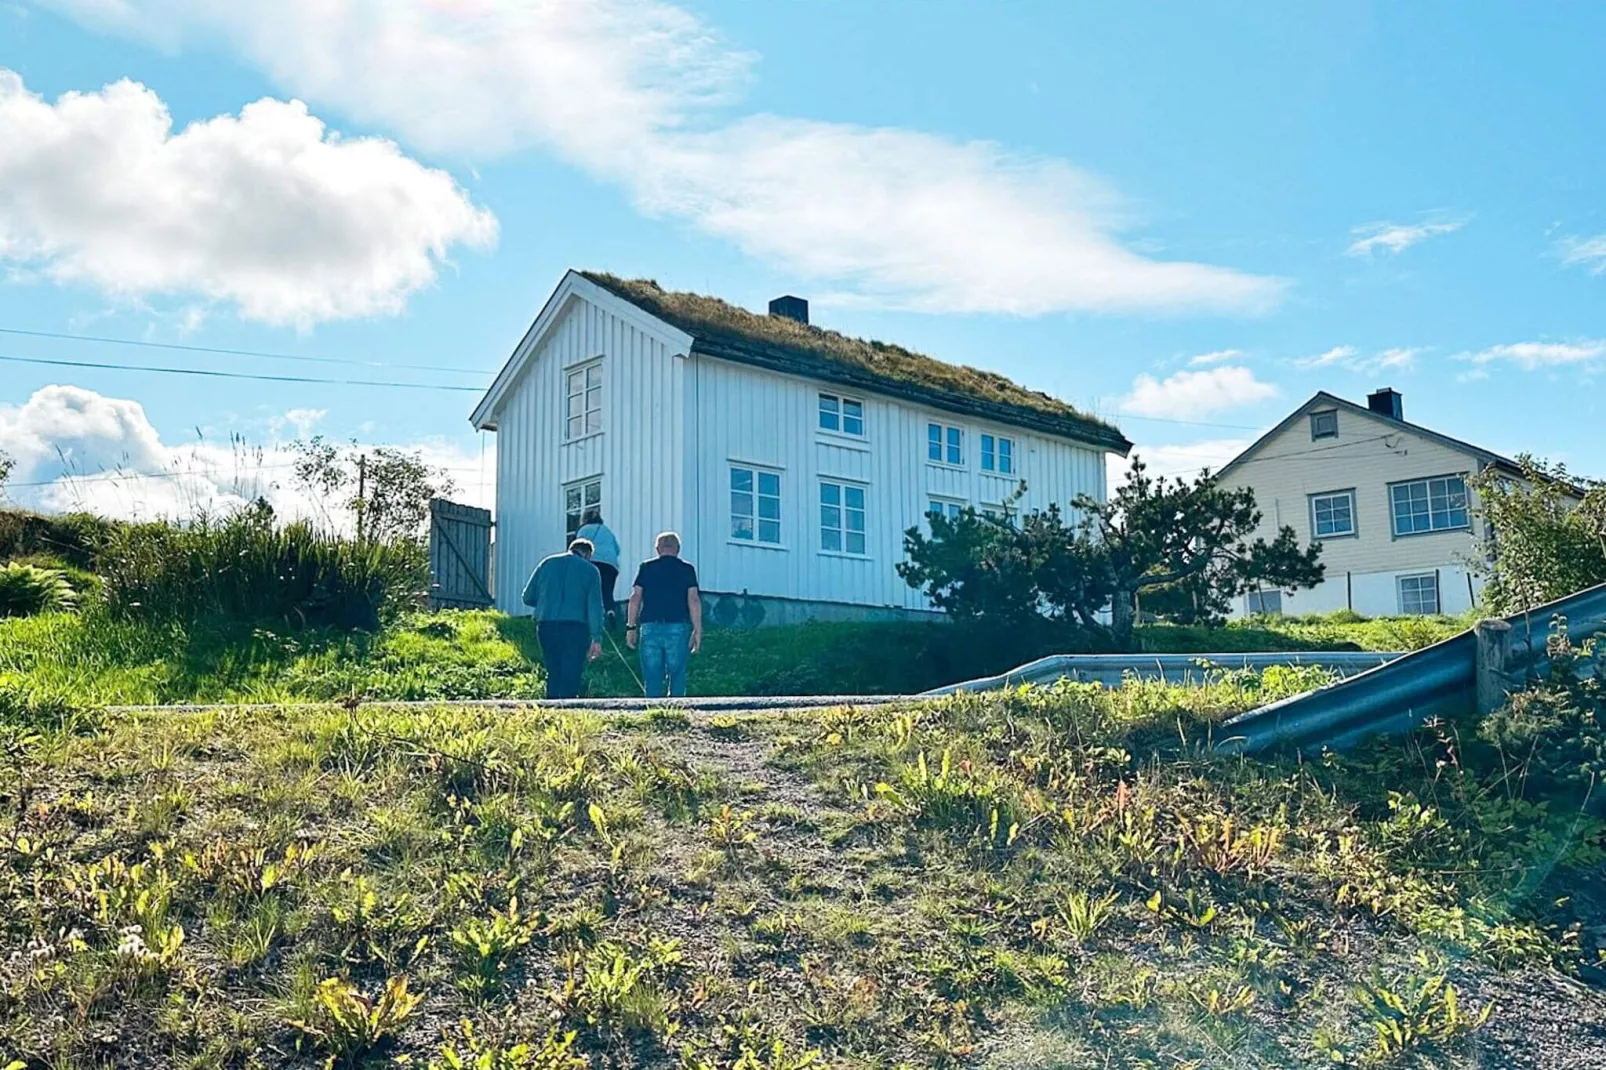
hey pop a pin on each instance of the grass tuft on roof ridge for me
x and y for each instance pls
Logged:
(719, 325)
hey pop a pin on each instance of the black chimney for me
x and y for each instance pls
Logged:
(789, 307)
(1387, 402)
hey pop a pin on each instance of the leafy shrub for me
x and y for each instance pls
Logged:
(26, 590)
(346, 1023)
(1555, 731)
(73, 538)
(245, 567)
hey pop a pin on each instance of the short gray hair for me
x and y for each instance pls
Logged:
(583, 547)
(667, 537)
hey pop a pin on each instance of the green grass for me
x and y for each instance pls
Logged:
(1005, 880)
(92, 657)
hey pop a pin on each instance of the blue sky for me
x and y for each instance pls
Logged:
(1187, 217)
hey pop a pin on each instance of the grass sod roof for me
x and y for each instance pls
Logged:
(728, 332)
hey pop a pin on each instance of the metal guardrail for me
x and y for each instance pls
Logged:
(1112, 669)
(1436, 681)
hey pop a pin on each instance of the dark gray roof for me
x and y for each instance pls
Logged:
(1322, 399)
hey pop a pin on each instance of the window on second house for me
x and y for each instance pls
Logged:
(945, 445)
(997, 454)
(584, 411)
(841, 414)
(755, 505)
(1429, 505)
(1419, 595)
(1332, 515)
(1324, 424)
(842, 517)
(1264, 603)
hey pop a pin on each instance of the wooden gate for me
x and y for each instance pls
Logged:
(459, 556)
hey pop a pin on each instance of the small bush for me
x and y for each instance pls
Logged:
(26, 590)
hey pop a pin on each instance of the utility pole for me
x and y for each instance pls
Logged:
(362, 491)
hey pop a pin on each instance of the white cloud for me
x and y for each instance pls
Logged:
(1531, 356)
(77, 449)
(1185, 394)
(1398, 358)
(1219, 356)
(1180, 460)
(1590, 253)
(1397, 237)
(632, 90)
(302, 421)
(267, 210)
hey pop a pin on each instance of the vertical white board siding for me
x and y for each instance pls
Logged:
(637, 454)
(762, 419)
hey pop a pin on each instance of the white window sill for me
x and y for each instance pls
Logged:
(842, 438)
(577, 439)
(945, 465)
(1464, 529)
(994, 472)
(755, 544)
(845, 554)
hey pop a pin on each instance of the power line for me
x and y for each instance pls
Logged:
(264, 354)
(1190, 423)
(201, 473)
(212, 374)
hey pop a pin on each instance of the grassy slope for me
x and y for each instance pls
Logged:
(984, 881)
(487, 655)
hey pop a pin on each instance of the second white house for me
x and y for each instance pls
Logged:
(1390, 501)
(791, 459)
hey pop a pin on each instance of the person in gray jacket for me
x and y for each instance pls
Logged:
(565, 591)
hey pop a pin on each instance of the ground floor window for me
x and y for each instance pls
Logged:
(1419, 595)
(755, 505)
(1264, 603)
(942, 507)
(842, 517)
(578, 500)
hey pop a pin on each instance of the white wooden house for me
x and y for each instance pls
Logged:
(1390, 502)
(790, 459)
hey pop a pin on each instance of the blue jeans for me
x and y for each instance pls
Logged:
(664, 648)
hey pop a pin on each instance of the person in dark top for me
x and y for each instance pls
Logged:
(665, 618)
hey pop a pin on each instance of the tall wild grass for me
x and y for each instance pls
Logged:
(243, 567)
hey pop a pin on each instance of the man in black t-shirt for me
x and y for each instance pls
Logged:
(665, 618)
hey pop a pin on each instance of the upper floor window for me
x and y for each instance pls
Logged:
(841, 414)
(584, 410)
(755, 505)
(1429, 505)
(1332, 515)
(842, 517)
(945, 445)
(997, 454)
(1324, 424)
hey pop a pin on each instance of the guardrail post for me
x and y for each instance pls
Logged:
(1494, 660)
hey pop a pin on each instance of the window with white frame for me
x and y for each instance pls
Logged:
(1424, 505)
(842, 517)
(1265, 603)
(578, 500)
(998, 454)
(1419, 595)
(755, 505)
(944, 507)
(944, 444)
(845, 415)
(1332, 515)
(584, 411)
